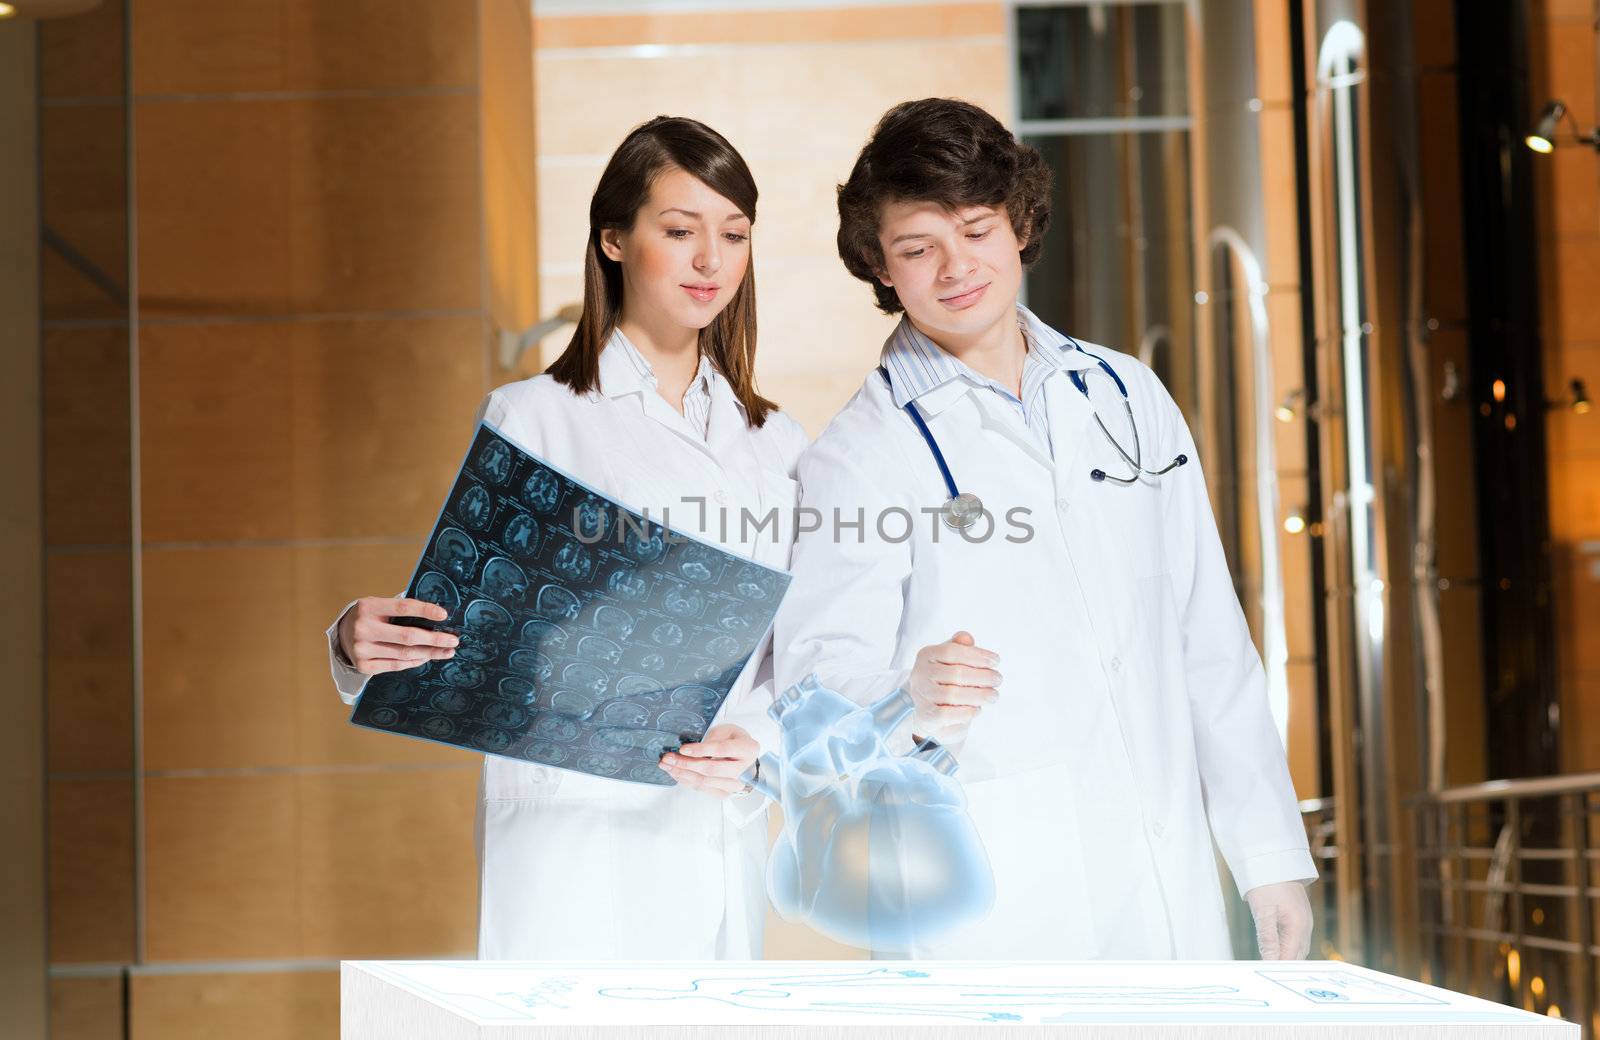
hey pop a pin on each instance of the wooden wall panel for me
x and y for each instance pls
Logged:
(89, 660)
(91, 871)
(387, 863)
(222, 868)
(324, 429)
(86, 1009)
(87, 475)
(202, 47)
(270, 1005)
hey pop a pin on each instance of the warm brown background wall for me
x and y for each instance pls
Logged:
(331, 205)
(1568, 199)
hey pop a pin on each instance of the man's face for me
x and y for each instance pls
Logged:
(956, 273)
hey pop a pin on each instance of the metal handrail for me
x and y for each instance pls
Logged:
(1513, 920)
(1571, 783)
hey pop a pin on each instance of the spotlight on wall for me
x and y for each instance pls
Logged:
(7, 10)
(1295, 522)
(1577, 398)
(1289, 407)
(1543, 137)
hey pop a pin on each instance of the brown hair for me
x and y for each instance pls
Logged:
(945, 151)
(649, 150)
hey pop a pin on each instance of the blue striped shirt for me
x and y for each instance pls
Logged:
(916, 365)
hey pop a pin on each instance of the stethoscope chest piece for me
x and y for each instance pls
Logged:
(962, 511)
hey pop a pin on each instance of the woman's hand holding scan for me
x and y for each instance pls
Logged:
(949, 684)
(1283, 920)
(716, 763)
(373, 644)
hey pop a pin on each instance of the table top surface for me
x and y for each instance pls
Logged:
(929, 992)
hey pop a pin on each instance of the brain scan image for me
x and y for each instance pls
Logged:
(613, 621)
(696, 563)
(573, 562)
(455, 553)
(397, 690)
(462, 674)
(521, 535)
(487, 619)
(722, 647)
(477, 647)
(494, 462)
(556, 728)
(591, 520)
(518, 690)
(584, 677)
(754, 583)
(590, 638)
(507, 716)
(632, 684)
(541, 492)
(600, 763)
(504, 581)
(693, 698)
(645, 546)
(548, 752)
(556, 603)
(542, 635)
(572, 704)
(474, 507)
(490, 739)
(438, 727)
(667, 633)
(437, 589)
(684, 602)
(599, 649)
(625, 713)
(531, 663)
(628, 583)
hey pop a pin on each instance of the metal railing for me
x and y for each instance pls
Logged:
(1507, 883)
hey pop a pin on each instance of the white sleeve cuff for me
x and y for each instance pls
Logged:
(346, 679)
(1270, 868)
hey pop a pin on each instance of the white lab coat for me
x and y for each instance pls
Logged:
(1133, 705)
(578, 867)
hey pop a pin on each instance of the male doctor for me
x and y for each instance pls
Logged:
(1077, 640)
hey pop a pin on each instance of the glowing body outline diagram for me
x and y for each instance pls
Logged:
(783, 986)
(516, 1000)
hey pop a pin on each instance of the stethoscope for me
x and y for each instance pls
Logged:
(964, 508)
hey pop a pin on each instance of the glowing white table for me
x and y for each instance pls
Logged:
(512, 1000)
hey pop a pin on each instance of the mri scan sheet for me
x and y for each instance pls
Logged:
(591, 638)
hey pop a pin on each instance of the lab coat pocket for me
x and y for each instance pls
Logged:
(1132, 526)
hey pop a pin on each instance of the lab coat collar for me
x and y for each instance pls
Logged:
(922, 371)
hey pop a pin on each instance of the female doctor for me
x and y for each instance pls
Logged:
(654, 403)
(1042, 578)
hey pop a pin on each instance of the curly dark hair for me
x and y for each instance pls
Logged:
(945, 151)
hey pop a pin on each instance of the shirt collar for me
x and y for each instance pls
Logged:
(922, 371)
(624, 370)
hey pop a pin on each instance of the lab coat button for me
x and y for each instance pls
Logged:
(1157, 829)
(1116, 664)
(722, 498)
(1062, 504)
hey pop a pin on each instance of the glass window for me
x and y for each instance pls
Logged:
(1101, 61)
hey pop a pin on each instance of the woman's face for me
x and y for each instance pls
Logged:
(685, 255)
